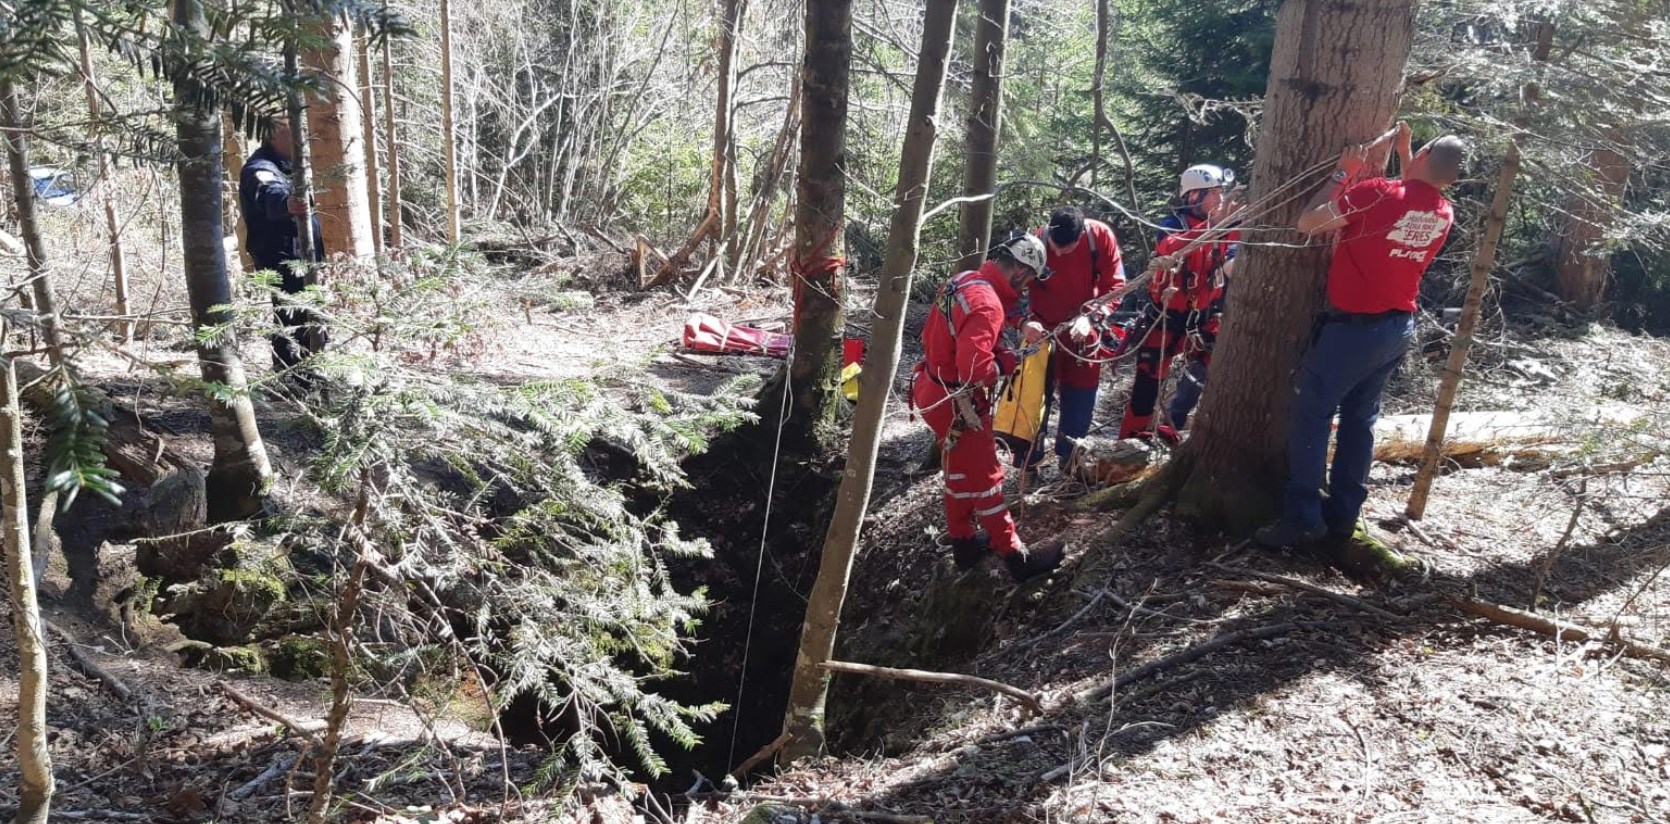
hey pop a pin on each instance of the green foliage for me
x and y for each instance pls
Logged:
(75, 444)
(495, 501)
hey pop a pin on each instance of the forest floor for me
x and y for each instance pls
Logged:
(1383, 704)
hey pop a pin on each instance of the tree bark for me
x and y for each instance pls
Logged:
(107, 195)
(33, 758)
(818, 264)
(232, 149)
(45, 303)
(1483, 262)
(985, 115)
(1334, 80)
(391, 139)
(810, 686)
(1583, 265)
(449, 146)
(368, 140)
(338, 142)
(240, 474)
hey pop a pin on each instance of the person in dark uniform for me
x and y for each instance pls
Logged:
(270, 210)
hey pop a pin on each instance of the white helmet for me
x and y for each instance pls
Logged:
(1028, 251)
(1204, 176)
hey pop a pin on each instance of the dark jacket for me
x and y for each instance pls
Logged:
(263, 197)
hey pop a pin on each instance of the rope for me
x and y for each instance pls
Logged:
(759, 563)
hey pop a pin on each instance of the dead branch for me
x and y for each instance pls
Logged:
(613, 244)
(87, 665)
(1142, 610)
(1253, 587)
(1028, 699)
(1337, 597)
(1508, 616)
(1149, 669)
(280, 766)
(306, 729)
(765, 752)
(675, 263)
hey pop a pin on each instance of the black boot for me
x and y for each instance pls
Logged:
(967, 552)
(1024, 564)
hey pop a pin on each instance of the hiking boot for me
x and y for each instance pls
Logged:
(1024, 564)
(967, 552)
(1285, 535)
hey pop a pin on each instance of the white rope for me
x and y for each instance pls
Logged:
(759, 563)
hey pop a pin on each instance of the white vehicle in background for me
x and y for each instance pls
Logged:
(54, 186)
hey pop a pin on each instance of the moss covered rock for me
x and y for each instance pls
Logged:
(299, 658)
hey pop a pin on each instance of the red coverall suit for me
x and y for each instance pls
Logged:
(1188, 312)
(961, 352)
(1092, 269)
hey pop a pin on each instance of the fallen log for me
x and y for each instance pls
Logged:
(306, 729)
(1494, 438)
(87, 665)
(1026, 698)
(141, 456)
(1508, 616)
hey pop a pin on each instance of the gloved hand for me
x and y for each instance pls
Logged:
(1033, 332)
(1006, 362)
(1081, 329)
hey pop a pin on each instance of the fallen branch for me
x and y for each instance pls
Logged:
(1028, 699)
(1142, 610)
(1336, 597)
(817, 803)
(306, 729)
(88, 666)
(765, 752)
(280, 766)
(1253, 587)
(1509, 616)
(1149, 669)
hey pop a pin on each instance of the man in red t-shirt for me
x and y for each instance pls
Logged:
(1084, 263)
(1389, 233)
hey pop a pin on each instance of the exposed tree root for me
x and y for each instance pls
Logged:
(1336, 597)
(1508, 616)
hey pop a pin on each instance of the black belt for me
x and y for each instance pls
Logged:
(1363, 318)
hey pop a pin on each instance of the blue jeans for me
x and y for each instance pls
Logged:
(1345, 371)
(1190, 386)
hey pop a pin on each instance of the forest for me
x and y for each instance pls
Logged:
(791, 411)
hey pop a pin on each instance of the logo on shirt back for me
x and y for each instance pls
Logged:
(1418, 229)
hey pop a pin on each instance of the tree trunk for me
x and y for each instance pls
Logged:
(804, 721)
(107, 194)
(232, 149)
(391, 139)
(1334, 80)
(240, 474)
(449, 146)
(1583, 264)
(721, 199)
(33, 758)
(817, 266)
(338, 142)
(368, 140)
(45, 303)
(985, 114)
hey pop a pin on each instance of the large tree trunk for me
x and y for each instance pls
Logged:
(985, 114)
(232, 149)
(391, 140)
(1583, 264)
(449, 145)
(107, 194)
(45, 301)
(338, 142)
(804, 721)
(817, 267)
(368, 139)
(240, 474)
(34, 760)
(721, 197)
(1334, 81)
(1483, 261)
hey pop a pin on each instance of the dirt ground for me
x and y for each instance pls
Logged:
(1385, 704)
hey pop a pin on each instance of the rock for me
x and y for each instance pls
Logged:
(202, 655)
(177, 546)
(1104, 462)
(225, 604)
(299, 658)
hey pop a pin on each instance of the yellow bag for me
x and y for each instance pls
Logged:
(849, 381)
(1020, 409)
